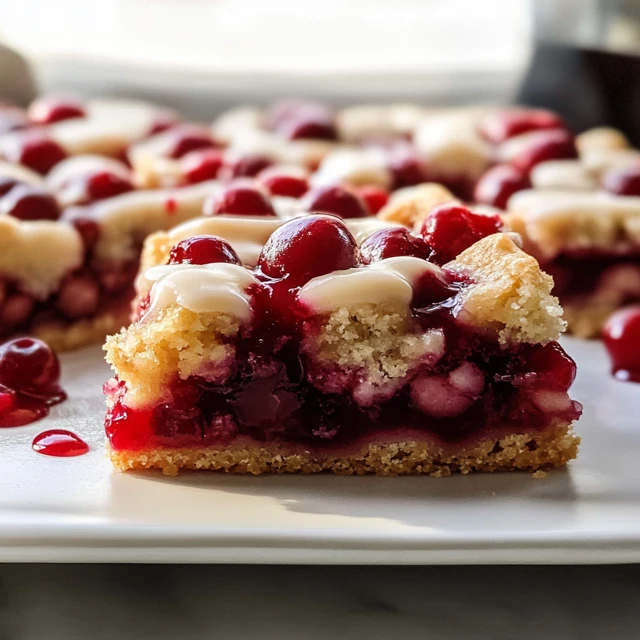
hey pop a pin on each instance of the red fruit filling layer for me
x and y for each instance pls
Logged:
(281, 391)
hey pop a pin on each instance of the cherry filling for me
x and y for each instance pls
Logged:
(51, 109)
(280, 390)
(35, 150)
(29, 381)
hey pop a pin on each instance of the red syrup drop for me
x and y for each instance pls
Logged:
(59, 443)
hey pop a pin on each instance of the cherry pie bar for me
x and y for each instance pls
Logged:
(82, 184)
(352, 345)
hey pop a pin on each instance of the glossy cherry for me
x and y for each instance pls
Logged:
(621, 336)
(297, 120)
(339, 200)
(36, 151)
(623, 181)
(202, 165)
(241, 197)
(502, 125)
(27, 202)
(545, 367)
(6, 184)
(28, 365)
(392, 242)
(290, 182)
(374, 197)
(184, 139)
(247, 166)
(405, 166)
(203, 250)
(48, 110)
(498, 184)
(555, 144)
(451, 228)
(307, 247)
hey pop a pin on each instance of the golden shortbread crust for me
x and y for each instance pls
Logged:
(552, 448)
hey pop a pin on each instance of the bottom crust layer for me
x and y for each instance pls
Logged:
(525, 452)
(67, 337)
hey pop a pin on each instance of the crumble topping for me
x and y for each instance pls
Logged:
(510, 294)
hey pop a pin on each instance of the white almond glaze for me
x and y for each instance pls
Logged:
(82, 165)
(361, 121)
(20, 173)
(354, 166)
(600, 161)
(128, 219)
(38, 254)
(362, 228)
(233, 122)
(246, 235)
(389, 280)
(213, 288)
(450, 145)
(562, 174)
(110, 126)
(511, 148)
(558, 220)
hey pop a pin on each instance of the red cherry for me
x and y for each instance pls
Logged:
(374, 197)
(199, 166)
(105, 184)
(502, 125)
(406, 168)
(163, 122)
(623, 181)
(451, 228)
(203, 250)
(297, 120)
(241, 198)
(622, 339)
(338, 200)
(498, 184)
(85, 225)
(307, 247)
(27, 202)
(28, 365)
(36, 151)
(287, 182)
(247, 166)
(189, 138)
(545, 367)
(51, 109)
(555, 144)
(6, 184)
(390, 243)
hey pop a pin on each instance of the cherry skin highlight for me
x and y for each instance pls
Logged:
(338, 200)
(307, 247)
(498, 184)
(451, 228)
(203, 250)
(621, 335)
(28, 364)
(241, 198)
(391, 243)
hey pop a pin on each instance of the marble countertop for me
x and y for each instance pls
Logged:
(127, 602)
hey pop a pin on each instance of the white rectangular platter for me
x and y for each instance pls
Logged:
(80, 510)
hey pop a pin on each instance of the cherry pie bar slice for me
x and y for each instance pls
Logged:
(353, 346)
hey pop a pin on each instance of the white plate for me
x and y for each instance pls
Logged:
(78, 509)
